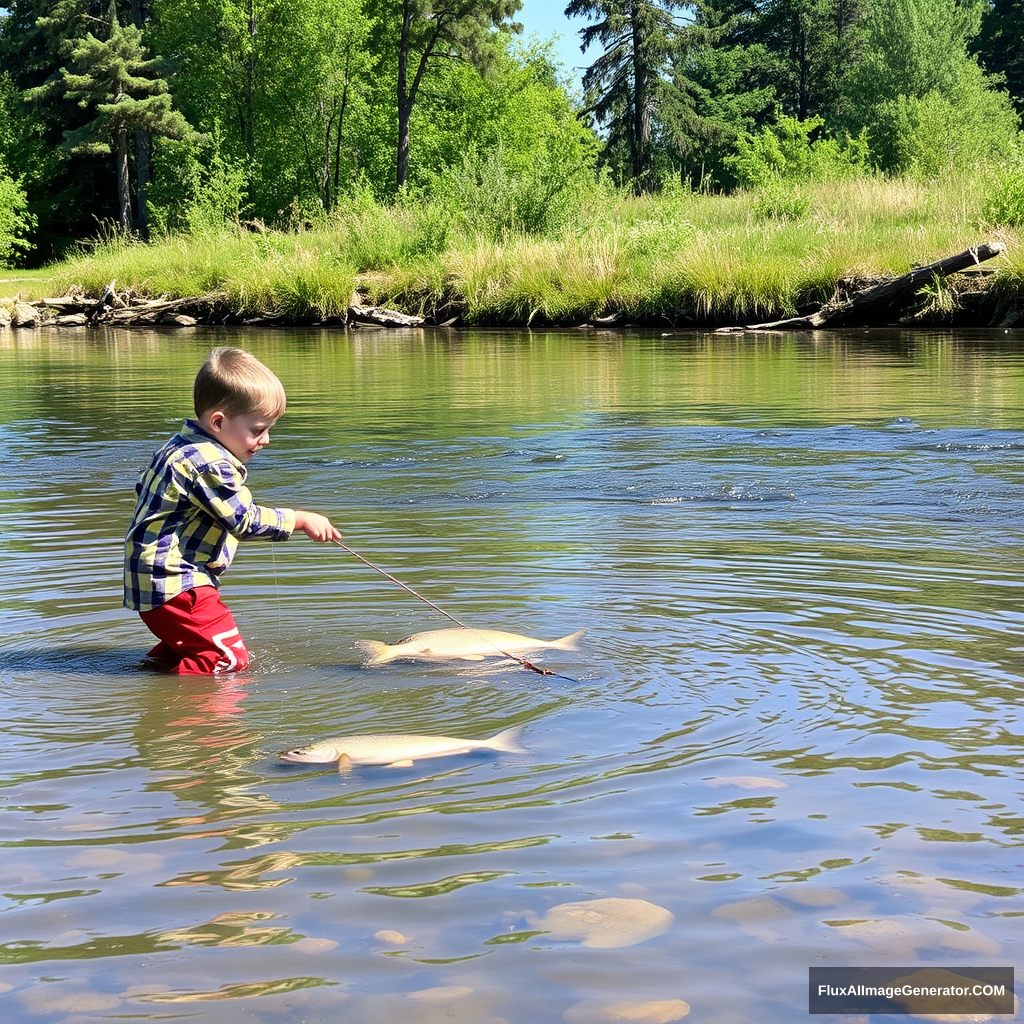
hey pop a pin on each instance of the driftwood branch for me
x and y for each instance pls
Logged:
(865, 304)
(378, 317)
(111, 309)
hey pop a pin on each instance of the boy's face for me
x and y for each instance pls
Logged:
(243, 436)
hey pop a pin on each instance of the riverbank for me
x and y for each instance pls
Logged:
(682, 260)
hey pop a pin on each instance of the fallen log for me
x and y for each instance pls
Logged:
(150, 312)
(66, 304)
(865, 304)
(379, 317)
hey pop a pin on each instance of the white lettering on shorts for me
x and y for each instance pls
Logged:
(230, 660)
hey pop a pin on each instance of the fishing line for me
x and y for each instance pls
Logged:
(277, 588)
(448, 615)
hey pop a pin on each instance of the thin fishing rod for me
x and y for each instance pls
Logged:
(448, 615)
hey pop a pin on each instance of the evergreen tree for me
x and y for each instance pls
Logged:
(116, 81)
(814, 42)
(1000, 45)
(626, 81)
(62, 198)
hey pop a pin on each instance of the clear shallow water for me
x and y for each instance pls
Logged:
(795, 722)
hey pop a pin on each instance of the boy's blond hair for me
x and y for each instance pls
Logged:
(239, 384)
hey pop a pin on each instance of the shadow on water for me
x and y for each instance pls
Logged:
(77, 661)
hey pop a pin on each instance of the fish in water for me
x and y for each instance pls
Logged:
(396, 750)
(460, 645)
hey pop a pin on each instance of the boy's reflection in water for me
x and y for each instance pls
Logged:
(192, 734)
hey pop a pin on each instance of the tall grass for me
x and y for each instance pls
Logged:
(682, 257)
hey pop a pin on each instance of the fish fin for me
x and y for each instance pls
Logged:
(508, 741)
(404, 763)
(374, 652)
(570, 642)
(344, 764)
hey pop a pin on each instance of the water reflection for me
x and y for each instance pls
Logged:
(793, 725)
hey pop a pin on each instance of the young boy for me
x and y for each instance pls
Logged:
(194, 508)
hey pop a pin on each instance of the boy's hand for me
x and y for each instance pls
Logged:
(316, 527)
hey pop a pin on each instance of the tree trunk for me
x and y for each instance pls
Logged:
(641, 115)
(404, 98)
(250, 86)
(407, 91)
(124, 202)
(142, 180)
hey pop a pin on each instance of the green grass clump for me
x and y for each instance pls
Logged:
(684, 257)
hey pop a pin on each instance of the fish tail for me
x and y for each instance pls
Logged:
(374, 652)
(570, 642)
(508, 741)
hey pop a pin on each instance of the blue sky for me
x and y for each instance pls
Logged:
(544, 18)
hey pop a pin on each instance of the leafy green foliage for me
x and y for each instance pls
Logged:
(198, 188)
(924, 101)
(423, 33)
(15, 219)
(1000, 45)
(1005, 202)
(313, 111)
(788, 151)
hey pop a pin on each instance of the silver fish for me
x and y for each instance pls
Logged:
(459, 645)
(397, 750)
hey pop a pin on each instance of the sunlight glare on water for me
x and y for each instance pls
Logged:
(791, 736)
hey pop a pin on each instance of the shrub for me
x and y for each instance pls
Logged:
(1005, 203)
(786, 151)
(15, 220)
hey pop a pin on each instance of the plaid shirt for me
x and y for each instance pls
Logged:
(193, 509)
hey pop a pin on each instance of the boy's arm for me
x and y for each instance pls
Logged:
(221, 491)
(315, 526)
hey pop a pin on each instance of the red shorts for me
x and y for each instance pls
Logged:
(198, 635)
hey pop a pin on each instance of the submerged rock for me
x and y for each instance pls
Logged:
(757, 908)
(902, 936)
(652, 1011)
(943, 1008)
(605, 924)
(314, 946)
(813, 895)
(747, 782)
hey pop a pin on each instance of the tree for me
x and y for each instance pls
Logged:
(325, 93)
(1000, 45)
(504, 152)
(285, 85)
(33, 45)
(15, 220)
(114, 78)
(426, 31)
(813, 41)
(718, 96)
(924, 100)
(624, 83)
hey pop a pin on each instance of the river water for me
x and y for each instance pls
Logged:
(794, 723)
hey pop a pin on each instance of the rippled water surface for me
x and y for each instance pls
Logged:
(794, 723)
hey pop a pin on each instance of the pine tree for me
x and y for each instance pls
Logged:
(624, 83)
(115, 79)
(1000, 45)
